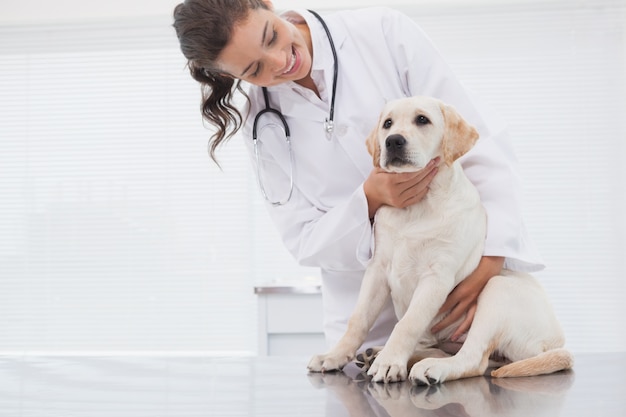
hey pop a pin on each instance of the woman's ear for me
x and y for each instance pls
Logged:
(269, 4)
(225, 74)
(215, 74)
(215, 71)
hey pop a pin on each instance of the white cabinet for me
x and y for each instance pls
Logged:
(290, 319)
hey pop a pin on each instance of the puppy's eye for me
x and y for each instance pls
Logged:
(387, 124)
(422, 120)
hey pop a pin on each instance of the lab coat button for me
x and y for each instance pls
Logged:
(342, 130)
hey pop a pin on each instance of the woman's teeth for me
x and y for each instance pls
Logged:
(292, 63)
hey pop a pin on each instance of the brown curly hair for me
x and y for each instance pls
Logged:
(204, 28)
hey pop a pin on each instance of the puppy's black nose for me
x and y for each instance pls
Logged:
(395, 142)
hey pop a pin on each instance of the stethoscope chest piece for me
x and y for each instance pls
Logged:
(329, 126)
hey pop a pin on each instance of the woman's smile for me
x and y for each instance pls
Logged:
(266, 50)
(292, 63)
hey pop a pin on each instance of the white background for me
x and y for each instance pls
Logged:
(117, 233)
(41, 11)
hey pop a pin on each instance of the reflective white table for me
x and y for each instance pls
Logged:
(181, 386)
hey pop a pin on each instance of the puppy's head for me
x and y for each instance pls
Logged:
(411, 131)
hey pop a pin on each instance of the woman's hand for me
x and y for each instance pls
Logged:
(398, 189)
(463, 299)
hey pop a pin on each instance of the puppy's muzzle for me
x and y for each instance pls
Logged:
(395, 146)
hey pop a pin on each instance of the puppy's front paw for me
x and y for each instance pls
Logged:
(388, 368)
(430, 371)
(328, 362)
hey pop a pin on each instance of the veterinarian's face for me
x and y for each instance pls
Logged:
(266, 50)
(409, 134)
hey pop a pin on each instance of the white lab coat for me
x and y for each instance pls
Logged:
(382, 55)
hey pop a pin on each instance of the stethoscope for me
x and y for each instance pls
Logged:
(328, 123)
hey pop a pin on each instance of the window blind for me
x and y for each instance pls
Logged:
(116, 230)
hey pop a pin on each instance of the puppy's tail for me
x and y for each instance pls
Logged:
(545, 363)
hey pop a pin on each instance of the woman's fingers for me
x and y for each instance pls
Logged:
(415, 187)
(398, 189)
(419, 190)
(412, 178)
(464, 297)
(455, 312)
(465, 324)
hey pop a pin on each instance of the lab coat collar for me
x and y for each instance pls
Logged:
(322, 54)
(322, 71)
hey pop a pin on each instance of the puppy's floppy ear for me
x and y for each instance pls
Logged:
(373, 146)
(458, 136)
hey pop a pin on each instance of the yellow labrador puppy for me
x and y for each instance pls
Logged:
(422, 252)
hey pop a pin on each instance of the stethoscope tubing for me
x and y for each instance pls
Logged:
(328, 123)
(255, 140)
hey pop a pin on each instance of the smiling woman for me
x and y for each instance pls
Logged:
(271, 50)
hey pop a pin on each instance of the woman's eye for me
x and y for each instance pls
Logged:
(274, 36)
(422, 120)
(387, 124)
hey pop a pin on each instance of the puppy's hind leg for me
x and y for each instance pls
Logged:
(535, 343)
(471, 360)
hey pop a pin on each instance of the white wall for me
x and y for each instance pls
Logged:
(42, 11)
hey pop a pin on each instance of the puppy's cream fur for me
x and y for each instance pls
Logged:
(422, 252)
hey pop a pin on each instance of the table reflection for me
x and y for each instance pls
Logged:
(355, 395)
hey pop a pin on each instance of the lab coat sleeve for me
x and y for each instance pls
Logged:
(491, 165)
(337, 238)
